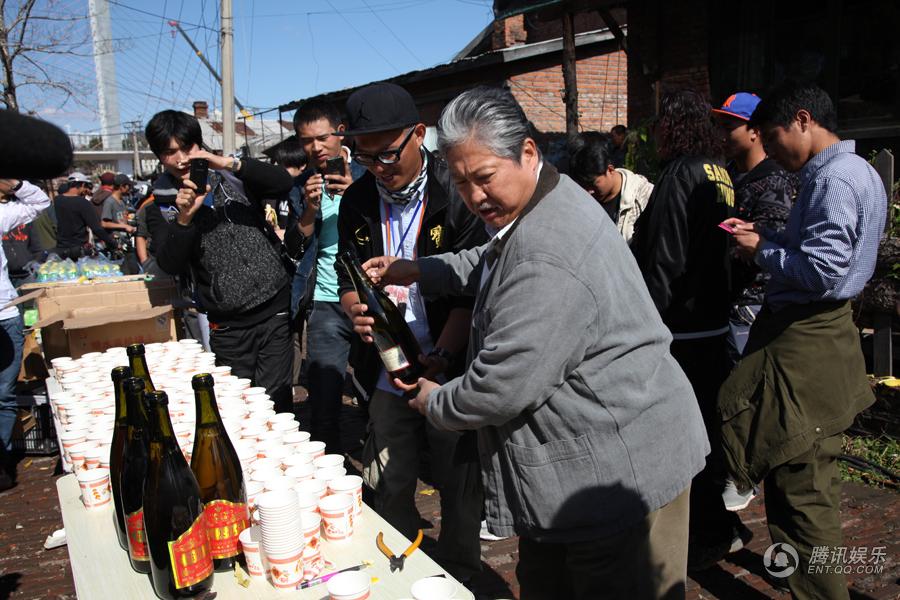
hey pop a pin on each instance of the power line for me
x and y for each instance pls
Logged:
(155, 14)
(396, 37)
(156, 54)
(364, 38)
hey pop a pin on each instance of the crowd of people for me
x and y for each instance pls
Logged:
(611, 366)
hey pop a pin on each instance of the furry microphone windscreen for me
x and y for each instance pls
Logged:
(31, 148)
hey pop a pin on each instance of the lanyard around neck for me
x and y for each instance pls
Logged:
(388, 212)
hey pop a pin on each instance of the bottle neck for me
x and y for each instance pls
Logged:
(121, 401)
(136, 410)
(207, 409)
(360, 279)
(160, 425)
(139, 369)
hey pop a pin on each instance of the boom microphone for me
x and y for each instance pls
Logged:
(31, 148)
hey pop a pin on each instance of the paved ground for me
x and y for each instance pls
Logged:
(29, 512)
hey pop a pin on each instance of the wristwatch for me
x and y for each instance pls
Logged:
(235, 164)
(442, 353)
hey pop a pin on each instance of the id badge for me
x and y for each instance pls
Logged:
(399, 295)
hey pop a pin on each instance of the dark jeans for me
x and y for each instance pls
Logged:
(261, 353)
(11, 342)
(328, 336)
(706, 363)
(739, 322)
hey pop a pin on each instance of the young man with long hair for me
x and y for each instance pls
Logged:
(683, 255)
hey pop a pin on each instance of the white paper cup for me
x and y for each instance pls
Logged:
(329, 460)
(314, 486)
(250, 539)
(295, 437)
(300, 472)
(285, 568)
(266, 464)
(337, 514)
(433, 588)
(93, 456)
(94, 483)
(352, 585)
(350, 485)
(308, 502)
(284, 427)
(295, 459)
(330, 473)
(277, 484)
(314, 449)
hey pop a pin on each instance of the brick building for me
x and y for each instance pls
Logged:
(848, 47)
(525, 55)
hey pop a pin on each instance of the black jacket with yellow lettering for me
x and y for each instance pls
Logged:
(447, 226)
(681, 251)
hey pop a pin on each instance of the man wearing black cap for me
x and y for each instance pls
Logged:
(114, 216)
(407, 206)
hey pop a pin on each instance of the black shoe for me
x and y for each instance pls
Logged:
(702, 556)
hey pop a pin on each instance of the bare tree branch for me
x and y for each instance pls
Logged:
(33, 39)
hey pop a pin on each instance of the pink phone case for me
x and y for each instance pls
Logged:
(727, 228)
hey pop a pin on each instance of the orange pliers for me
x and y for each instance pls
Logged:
(397, 561)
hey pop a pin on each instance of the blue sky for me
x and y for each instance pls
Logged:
(284, 50)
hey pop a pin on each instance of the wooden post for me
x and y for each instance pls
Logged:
(570, 96)
(882, 349)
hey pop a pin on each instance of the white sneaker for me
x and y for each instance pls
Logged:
(486, 535)
(735, 500)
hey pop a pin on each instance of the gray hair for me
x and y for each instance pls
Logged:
(489, 115)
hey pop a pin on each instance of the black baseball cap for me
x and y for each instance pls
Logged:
(379, 107)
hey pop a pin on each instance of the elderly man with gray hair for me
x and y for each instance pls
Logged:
(588, 431)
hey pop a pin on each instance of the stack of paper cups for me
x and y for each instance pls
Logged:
(282, 537)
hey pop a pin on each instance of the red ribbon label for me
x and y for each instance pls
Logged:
(190, 556)
(224, 523)
(137, 539)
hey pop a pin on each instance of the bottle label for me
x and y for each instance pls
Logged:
(224, 523)
(137, 539)
(190, 555)
(394, 359)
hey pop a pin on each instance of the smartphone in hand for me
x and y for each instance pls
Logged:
(727, 228)
(334, 166)
(199, 174)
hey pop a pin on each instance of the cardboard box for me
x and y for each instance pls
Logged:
(77, 318)
(33, 366)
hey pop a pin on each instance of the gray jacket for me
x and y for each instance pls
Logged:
(585, 421)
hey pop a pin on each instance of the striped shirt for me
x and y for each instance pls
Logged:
(828, 248)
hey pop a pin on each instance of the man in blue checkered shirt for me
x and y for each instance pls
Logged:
(802, 378)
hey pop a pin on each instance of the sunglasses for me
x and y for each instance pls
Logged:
(385, 157)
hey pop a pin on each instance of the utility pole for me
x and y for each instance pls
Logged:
(133, 126)
(227, 79)
(570, 96)
(202, 57)
(105, 66)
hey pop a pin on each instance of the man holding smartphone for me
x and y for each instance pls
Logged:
(311, 237)
(220, 235)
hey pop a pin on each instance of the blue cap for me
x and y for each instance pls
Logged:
(740, 105)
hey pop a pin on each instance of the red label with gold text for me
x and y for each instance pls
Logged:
(224, 523)
(190, 556)
(137, 539)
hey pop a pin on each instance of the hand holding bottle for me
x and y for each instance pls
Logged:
(390, 270)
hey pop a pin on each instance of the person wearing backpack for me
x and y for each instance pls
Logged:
(238, 264)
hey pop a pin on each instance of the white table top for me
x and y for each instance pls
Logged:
(101, 569)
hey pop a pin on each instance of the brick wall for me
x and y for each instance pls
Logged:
(671, 40)
(602, 93)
